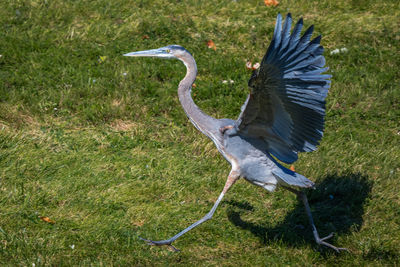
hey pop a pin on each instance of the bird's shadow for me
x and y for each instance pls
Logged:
(336, 203)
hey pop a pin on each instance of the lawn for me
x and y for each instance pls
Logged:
(95, 149)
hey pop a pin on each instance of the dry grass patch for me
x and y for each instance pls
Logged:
(125, 125)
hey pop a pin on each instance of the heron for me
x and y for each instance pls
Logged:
(282, 116)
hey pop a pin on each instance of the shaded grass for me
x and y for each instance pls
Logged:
(100, 144)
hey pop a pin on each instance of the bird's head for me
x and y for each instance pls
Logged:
(170, 51)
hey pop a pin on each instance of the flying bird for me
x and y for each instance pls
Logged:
(282, 116)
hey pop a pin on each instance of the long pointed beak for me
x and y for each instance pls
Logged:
(149, 53)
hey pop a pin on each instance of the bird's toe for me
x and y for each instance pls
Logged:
(321, 241)
(327, 237)
(159, 243)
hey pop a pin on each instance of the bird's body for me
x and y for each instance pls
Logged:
(250, 158)
(248, 155)
(283, 115)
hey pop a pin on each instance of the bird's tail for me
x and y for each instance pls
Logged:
(291, 178)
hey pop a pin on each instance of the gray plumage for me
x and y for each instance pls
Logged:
(283, 115)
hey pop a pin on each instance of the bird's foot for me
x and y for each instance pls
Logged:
(225, 128)
(321, 241)
(160, 243)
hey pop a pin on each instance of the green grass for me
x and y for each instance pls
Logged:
(110, 157)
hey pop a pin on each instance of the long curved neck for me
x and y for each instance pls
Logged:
(204, 123)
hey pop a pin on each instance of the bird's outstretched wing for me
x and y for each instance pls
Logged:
(286, 105)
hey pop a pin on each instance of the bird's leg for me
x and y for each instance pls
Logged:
(320, 241)
(225, 128)
(232, 178)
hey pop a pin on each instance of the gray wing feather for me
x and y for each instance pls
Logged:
(286, 106)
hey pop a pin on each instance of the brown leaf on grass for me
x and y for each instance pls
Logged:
(119, 21)
(47, 219)
(211, 45)
(271, 2)
(292, 167)
(145, 37)
(194, 85)
(138, 223)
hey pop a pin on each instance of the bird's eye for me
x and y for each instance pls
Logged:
(167, 50)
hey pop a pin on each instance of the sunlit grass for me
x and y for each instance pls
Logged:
(99, 143)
